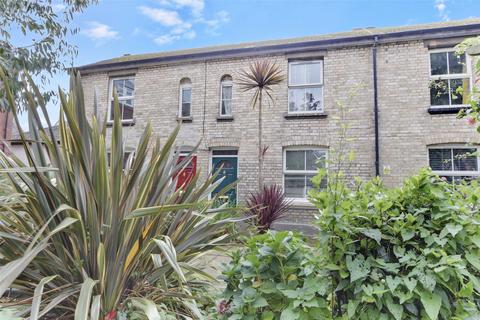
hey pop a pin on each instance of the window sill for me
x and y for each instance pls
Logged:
(185, 119)
(224, 118)
(446, 110)
(125, 123)
(312, 115)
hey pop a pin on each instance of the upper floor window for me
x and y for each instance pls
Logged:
(454, 163)
(226, 90)
(305, 86)
(125, 90)
(185, 108)
(450, 79)
(300, 165)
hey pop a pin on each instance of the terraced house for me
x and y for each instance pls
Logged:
(402, 116)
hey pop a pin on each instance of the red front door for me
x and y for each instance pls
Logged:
(187, 173)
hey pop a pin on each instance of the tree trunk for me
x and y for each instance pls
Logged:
(260, 147)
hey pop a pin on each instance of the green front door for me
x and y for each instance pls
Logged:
(227, 162)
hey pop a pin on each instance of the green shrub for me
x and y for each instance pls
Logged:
(275, 276)
(411, 252)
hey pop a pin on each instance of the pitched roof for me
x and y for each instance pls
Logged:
(354, 37)
(15, 139)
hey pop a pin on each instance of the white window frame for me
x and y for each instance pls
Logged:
(180, 99)
(300, 172)
(454, 173)
(110, 98)
(453, 76)
(306, 85)
(225, 83)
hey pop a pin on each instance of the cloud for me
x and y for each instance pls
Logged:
(166, 18)
(196, 6)
(441, 7)
(170, 37)
(214, 24)
(179, 18)
(99, 32)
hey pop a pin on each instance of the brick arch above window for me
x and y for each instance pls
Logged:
(454, 138)
(306, 142)
(222, 143)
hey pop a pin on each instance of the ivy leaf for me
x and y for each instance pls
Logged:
(451, 228)
(393, 283)
(407, 234)
(374, 234)
(476, 240)
(358, 268)
(351, 307)
(474, 260)
(395, 309)
(432, 303)
(260, 302)
(289, 314)
(268, 315)
(410, 283)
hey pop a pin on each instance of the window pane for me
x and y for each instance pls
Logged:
(438, 63)
(295, 160)
(315, 159)
(295, 186)
(186, 95)
(226, 107)
(226, 92)
(186, 109)
(440, 159)
(222, 152)
(457, 63)
(129, 87)
(313, 73)
(118, 86)
(465, 159)
(459, 89)
(296, 99)
(439, 93)
(314, 99)
(297, 74)
(127, 106)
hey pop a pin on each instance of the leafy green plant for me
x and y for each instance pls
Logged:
(411, 252)
(275, 276)
(128, 236)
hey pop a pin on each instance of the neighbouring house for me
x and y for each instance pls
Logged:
(402, 118)
(16, 144)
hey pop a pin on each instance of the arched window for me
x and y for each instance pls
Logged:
(185, 106)
(226, 90)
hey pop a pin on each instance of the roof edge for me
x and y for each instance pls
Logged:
(408, 35)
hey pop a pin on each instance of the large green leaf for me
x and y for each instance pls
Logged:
(432, 303)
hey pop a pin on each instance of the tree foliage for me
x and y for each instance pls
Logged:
(33, 37)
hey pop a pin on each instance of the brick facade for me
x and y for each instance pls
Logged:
(405, 127)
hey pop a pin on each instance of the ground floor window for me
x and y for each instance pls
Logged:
(454, 163)
(300, 165)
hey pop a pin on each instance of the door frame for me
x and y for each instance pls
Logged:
(210, 165)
